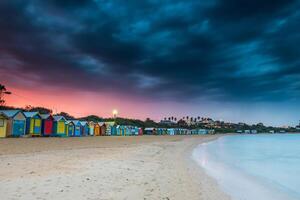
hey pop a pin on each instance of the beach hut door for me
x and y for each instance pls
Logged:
(18, 127)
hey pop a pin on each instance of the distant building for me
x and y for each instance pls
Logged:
(167, 122)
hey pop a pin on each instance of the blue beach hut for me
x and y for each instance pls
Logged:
(78, 128)
(70, 128)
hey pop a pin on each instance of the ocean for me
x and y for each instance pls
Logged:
(254, 167)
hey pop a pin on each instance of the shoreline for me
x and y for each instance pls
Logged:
(147, 167)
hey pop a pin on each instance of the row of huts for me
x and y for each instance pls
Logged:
(177, 131)
(15, 123)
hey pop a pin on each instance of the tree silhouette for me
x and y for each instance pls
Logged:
(3, 91)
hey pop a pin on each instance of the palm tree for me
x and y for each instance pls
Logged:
(3, 91)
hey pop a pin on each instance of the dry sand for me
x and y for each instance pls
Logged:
(133, 168)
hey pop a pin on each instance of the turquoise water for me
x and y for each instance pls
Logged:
(254, 167)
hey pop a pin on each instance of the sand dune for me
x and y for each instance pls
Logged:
(132, 168)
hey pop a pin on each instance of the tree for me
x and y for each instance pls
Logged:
(66, 115)
(41, 110)
(3, 91)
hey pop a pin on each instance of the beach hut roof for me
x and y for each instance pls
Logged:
(76, 122)
(83, 123)
(45, 116)
(31, 114)
(69, 122)
(10, 113)
(58, 118)
(101, 123)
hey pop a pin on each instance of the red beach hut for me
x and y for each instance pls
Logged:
(47, 124)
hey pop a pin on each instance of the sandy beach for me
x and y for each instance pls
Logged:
(133, 168)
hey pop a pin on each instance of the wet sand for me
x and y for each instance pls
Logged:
(133, 168)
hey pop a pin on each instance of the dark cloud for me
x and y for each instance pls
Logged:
(222, 50)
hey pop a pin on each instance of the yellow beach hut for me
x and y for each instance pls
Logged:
(3, 125)
(59, 126)
(33, 123)
(97, 129)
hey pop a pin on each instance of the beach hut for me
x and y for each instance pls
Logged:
(140, 131)
(33, 123)
(102, 128)
(16, 123)
(97, 129)
(78, 128)
(110, 128)
(70, 128)
(59, 126)
(85, 128)
(171, 131)
(91, 128)
(3, 125)
(47, 124)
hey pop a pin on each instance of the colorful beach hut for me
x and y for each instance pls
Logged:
(110, 128)
(47, 124)
(70, 128)
(97, 129)
(16, 123)
(3, 125)
(59, 126)
(102, 128)
(78, 129)
(33, 123)
(85, 128)
(91, 128)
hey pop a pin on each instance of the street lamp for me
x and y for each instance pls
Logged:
(115, 113)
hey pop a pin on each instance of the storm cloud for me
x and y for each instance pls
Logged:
(236, 50)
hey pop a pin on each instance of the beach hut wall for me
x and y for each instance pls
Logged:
(59, 126)
(33, 123)
(47, 124)
(16, 123)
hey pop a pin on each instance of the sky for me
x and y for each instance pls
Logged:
(234, 60)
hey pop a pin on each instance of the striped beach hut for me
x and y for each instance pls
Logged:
(70, 128)
(78, 129)
(59, 126)
(16, 123)
(33, 123)
(47, 124)
(97, 129)
(85, 128)
(111, 128)
(91, 128)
